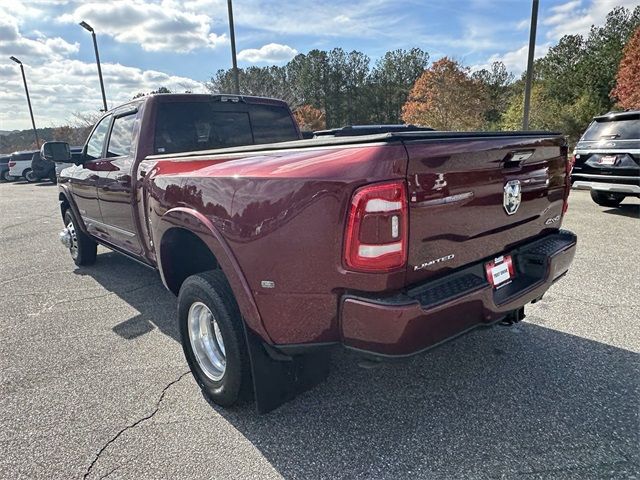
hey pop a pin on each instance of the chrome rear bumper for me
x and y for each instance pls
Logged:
(607, 187)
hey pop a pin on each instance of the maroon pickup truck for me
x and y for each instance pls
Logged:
(279, 248)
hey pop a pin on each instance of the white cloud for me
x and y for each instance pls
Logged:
(515, 60)
(361, 19)
(55, 98)
(576, 17)
(8, 9)
(155, 27)
(14, 43)
(270, 53)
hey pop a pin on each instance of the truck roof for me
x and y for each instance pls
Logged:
(220, 97)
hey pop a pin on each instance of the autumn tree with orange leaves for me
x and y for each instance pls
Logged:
(627, 89)
(310, 118)
(446, 97)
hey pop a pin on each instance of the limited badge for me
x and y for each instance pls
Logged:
(512, 196)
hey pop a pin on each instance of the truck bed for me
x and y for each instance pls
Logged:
(327, 141)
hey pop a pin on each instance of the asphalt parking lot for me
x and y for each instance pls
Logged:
(93, 382)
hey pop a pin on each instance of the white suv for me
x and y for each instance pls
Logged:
(20, 165)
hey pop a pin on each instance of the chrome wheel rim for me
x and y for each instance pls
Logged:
(74, 241)
(206, 341)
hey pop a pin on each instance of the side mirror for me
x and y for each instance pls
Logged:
(58, 152)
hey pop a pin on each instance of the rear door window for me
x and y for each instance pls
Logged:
(95, 145)
(121, 138)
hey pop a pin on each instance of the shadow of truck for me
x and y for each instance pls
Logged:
(507, 402)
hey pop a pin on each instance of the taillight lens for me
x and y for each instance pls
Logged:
(568, 169)
(377, 228)
(12, 164)
(571, 161)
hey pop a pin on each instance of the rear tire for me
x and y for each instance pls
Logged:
(83, 249)
(605, 199)
(30, 176)
(213, 338)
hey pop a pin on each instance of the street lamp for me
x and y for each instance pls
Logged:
(236, 80)
(26, 89)
(89, 28)
(529, 79)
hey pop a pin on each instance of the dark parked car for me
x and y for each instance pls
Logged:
(4, 168)
(43, 168)
(607, 158)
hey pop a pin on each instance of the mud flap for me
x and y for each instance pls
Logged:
(278, 378)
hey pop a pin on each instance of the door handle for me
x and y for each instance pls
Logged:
(513, 159)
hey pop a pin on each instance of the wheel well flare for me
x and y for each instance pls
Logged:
(183, 254)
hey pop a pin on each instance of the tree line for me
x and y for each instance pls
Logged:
(579, 77)
(344, 86)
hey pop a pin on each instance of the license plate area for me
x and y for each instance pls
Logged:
(500, 271)
(608, 160)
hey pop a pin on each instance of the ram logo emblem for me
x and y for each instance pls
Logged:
(512, 196)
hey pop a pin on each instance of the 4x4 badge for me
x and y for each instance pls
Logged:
(512, 196)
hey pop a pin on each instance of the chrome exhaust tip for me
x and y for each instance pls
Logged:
(65, 237)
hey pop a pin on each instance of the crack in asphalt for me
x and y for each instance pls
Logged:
(109, 473)
(133, 425)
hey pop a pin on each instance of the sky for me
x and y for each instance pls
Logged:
(179, 44)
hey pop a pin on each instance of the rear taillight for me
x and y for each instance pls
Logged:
(377, 228)
(12, 164)
(571, 161)
(568, 169)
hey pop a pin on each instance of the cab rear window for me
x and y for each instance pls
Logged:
(193, 126)
(623, 129)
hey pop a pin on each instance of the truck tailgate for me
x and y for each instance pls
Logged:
(463, 197)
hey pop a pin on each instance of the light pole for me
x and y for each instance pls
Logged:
(236, 80)
(529, 80)
(26, 89)
(89, 28)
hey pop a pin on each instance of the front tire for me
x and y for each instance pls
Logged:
(213, 338)
(30, 176)
(82, 248)
(605, 199)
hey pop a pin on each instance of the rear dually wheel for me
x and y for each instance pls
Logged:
(213, 338)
